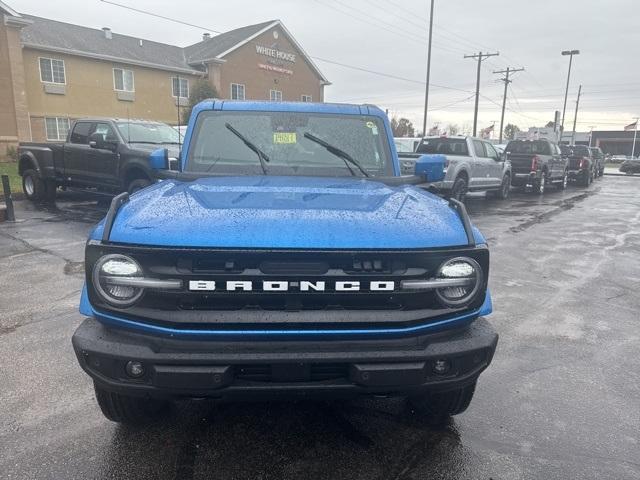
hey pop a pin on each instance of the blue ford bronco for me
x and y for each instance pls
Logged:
(287, 257)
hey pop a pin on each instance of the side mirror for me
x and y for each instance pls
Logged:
(159, 159)
(431, 167)
(96, 140)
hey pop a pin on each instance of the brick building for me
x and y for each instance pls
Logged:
(53, 72)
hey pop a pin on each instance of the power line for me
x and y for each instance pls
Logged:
(207, 29)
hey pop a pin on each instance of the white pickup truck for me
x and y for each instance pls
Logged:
(471, 164)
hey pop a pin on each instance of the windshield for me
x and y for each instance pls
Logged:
(286, 139)
(581, 151)
(525, 146)
(445, 146)
(148, 132)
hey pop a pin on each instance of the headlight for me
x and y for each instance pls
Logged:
(110, 277)
(461, 268)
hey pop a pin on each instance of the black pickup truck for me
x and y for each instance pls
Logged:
(110, 155)
(538, 163)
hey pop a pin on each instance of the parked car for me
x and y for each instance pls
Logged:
(108, 154)
(598, 158)
(471, 164)
(618, 158)
(630, 166)
(582, 166)
(286, 257)
(537, 163)
(406, 144)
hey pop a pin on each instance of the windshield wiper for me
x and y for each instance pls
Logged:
(348, 159)
(261, 155)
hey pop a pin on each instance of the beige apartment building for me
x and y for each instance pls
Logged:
(53, 72)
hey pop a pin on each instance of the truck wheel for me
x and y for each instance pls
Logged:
(565, 181)
(505, 187)
(436, 408)
(33, 186)
(540, 184)
(138, 184)
(586, 180)
(129, 410)
(459, 189)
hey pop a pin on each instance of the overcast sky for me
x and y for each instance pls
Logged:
(390, 36)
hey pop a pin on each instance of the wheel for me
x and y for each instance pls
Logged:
(505, 187)
(33, 186)
(436, 408)
(138, 184)
(540, 184)
(459, 190)
(586, 180)
(129, 410)
(565, 181)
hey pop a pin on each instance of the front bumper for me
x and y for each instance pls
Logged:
(243, 370)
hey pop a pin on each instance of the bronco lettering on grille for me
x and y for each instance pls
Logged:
(286, 286)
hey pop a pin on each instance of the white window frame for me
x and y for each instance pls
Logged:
(238, 85)
(51, 60)
(275, 93)
(180, 80)
(306, 98)
(124, 87)
(58, 137)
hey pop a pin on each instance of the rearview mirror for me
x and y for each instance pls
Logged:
(159, 159)
(431, 167)
(96, 140)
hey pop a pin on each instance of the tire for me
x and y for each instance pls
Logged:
(505, 187)
(565, 181)
(459, 189)
(129, 410)
(586, 181)
(138, 184)
(436, 408)
(540, 184)
(33, 186)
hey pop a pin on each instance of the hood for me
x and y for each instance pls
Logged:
(286, 212)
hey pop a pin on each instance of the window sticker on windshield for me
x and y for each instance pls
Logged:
(373, 127)
(285, 137)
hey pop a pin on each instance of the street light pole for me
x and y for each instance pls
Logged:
(426, 94)
(571, 53)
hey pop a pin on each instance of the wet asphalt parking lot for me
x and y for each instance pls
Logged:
(561, 399)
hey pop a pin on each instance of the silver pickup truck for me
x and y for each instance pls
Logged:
(471, 164)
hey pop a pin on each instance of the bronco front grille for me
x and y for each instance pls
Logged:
(293, 308)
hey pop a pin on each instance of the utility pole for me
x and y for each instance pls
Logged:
(480, 57)
(575, 118)
(426, 94)
(635, 133)
(591, 127)
(571, 53)
(506, 81)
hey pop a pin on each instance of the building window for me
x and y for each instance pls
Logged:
(237, 91)
(52, 71)
(275, 95)
(123, 80)
(57, 128)
(306, 98)
(180, 87)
